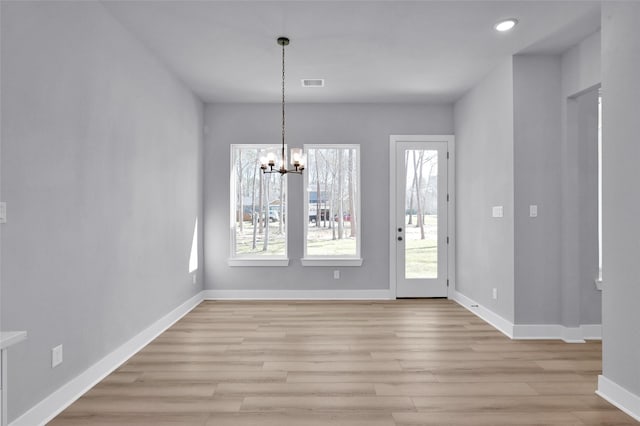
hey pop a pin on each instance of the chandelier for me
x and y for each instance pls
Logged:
(268, 163)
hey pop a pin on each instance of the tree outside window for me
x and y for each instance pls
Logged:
(332, 201)
(258, 213)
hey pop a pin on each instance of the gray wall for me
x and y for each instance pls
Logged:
(621, 207)
(537, 130)
(368, 125)
(556, 254)
(484, 165)
(512, 150)
(590, 299)
(581, 66)
(581, 301)
(100, 170)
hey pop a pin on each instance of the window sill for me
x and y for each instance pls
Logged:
(258, 262)
(336, 261)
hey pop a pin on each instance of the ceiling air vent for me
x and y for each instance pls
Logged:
(312, 82)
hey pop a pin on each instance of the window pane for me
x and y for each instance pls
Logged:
(333, 198)
(260, 205)
(421, 218)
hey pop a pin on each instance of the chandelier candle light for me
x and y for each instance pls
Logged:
(268, 163)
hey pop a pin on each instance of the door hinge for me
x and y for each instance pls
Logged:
(447, 155)
(447, 282)
(447, 198)
(447, 240)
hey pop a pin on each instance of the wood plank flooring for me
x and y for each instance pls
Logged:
(405, 362)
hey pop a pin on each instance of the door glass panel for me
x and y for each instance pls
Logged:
(421, 214)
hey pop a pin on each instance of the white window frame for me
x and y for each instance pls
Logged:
(334, 260)
(252, 260)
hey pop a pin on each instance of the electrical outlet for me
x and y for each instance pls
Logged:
(497, 211)
(56, 356)
(336, 274)
(495, 294)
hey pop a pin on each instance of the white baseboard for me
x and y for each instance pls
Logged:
(55, 403)
(501, 324)
(369, 294)
(557, 331)
(530, 331)
(591, 331)
(544, 332)
(619, 396)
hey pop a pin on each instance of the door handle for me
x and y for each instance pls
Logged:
(399, 229)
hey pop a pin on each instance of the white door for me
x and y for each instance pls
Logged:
(421, 215)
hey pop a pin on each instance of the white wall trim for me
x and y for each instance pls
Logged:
(60, 399)
(310, 260)
(451, 220)
(619, 396)
(591, 331)
(530, 331)
(331, 261)
(556, 331)
(234, 260)
(250, 262)
(335, 294)
(55, 403)
(547, 331)
(451, 216)
(392, 217)
(499, 323)
(571, 334)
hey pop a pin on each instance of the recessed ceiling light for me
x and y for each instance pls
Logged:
(313, 82)
(506, 24)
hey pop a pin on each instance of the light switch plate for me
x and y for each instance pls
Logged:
(3, 212)
(497, 211)
(56, 356)
(533, 210)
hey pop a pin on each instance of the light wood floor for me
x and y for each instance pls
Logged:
(408, 362)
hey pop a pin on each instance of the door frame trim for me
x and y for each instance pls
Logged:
(451, 211)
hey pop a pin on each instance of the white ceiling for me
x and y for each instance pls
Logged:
(367, 51)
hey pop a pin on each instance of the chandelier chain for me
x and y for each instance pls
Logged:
(268, 163)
